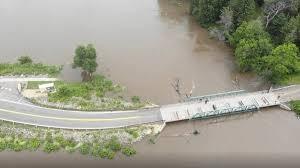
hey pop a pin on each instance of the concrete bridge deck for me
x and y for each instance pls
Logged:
(207, 107)
(16, 109)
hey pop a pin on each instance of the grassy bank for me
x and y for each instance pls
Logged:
(101, 144)
(296, 106)
(97, 94)
(29, 69)
(292, 79)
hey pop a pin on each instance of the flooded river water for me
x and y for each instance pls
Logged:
(144, 45)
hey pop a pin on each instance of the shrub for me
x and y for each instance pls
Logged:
(114, 144)
(133, 132)
(106, 153)
(25, 60)
(128, 151)
(296, 106)
(135, 99)
(51, 147)
(85, 149)
(33, 144)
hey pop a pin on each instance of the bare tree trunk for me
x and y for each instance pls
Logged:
(86, 76)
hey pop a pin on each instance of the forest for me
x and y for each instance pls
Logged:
(265, 34)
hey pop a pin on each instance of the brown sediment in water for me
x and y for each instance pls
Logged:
(141, 44)
(144, 45)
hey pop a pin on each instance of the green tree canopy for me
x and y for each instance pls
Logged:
(243, 10)
(291, 31)
(207, 11)
(275, 27)
(283, 61)
(248, 30)
(85, 58)
(249, 53)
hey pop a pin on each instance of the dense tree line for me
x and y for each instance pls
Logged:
(264, 33)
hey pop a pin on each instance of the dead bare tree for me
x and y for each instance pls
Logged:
(275, 7)
(176, 85)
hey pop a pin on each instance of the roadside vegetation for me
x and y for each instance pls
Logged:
(97, 94)
(265, 34)
(296, 106)
(94, 93)
(100, 144)
(25, 66)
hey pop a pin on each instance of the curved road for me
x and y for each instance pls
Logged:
(14, 108)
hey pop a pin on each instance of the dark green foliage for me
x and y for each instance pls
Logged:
(25, 60)
(275, 27)
(291, 31)
(260, 3)
(135, 99)
(243, 10)
(128, 151)
(207, 11)
(85, 58)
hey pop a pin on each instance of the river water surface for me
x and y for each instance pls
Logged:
(144, 45)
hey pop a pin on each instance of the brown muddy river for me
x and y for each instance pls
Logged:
(144, 45)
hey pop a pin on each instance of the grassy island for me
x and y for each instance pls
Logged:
(26, 66)
(97, 94)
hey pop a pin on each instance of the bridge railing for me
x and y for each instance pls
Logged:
(212, 96)
(227, 111)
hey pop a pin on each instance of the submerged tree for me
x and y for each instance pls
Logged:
(85, 58)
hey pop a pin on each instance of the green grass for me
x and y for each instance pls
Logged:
(98, 94)
(35, 84)
(296, 106)
(292, 79)
(29, 69)
(99, 86)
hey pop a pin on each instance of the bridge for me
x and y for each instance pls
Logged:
(14, 108)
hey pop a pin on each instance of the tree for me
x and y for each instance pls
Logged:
(283, 61)
(242, 10)
(207, 11)
(249, 53)
(248, 30)
(85, 58)
(275, 27)
(274, 8)
(260, 3)
(291, 31)
(25, 60)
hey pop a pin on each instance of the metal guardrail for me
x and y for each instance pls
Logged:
(223, 112)
(218, 95)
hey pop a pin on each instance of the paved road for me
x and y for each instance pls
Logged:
(14, 108)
